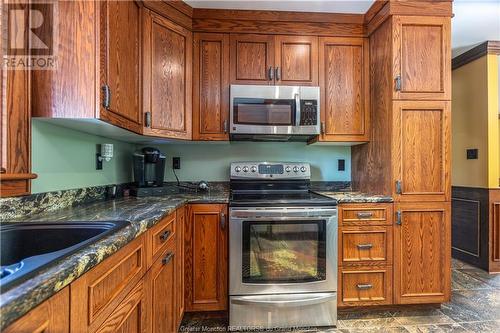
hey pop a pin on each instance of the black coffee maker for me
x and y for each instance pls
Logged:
(149, 170)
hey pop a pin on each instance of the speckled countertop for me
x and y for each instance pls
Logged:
(355, 197)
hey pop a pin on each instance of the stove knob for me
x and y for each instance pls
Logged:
(296, 169)
(253, 169)
(237, 169)
(303, 168)
(288, 169)
(245, 169)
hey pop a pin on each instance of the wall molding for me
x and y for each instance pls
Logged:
(488, 47)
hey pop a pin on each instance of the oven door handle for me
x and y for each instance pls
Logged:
(321, 298)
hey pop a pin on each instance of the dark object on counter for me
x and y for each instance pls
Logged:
(201, 186)
(148, 191)
(149, 167)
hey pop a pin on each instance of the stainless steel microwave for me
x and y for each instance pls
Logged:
(274, 113)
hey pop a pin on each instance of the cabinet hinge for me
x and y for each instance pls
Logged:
(398, 217)
(224, 126)
(398, 83)
(322, 127)
(398, 187)
(106, 100)
(147, 120)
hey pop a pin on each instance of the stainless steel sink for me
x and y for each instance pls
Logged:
(28, 247)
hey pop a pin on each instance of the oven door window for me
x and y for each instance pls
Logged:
(258, 111)
(284, 252)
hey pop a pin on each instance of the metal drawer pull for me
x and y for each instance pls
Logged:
(164, 236)
(365, 246)
(364, 286)
(167, 258)
(366, 215)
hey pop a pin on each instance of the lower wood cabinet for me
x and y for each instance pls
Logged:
(181, 221)
(206, 242)
(365, 285)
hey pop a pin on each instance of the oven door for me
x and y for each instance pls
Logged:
(282, 250)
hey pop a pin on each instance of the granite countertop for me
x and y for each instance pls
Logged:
(355, 197)
(142, 213)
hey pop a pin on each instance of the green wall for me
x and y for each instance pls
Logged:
(65, 159)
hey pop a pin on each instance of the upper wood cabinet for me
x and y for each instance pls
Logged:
(421, 150)
(167, 77)
(206, 233)
(211, 87)
(422, 255)
(422, 58)
(344, 83)
(121, 72)
(269, 59)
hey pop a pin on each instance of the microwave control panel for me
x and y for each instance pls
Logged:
(308, 112)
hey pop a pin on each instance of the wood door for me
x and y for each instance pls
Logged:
(52, 316)
(167, 78)
(181, 221)
(344, 83)
(162, 285)
(422, 256)
(130, 315)
(422, 57)
(206, 257)
(121, 68)
(296, 60)
(211, 87)
(421, 150)
(252, 59)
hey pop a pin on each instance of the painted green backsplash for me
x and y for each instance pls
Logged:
(65, 159)
(211, 162)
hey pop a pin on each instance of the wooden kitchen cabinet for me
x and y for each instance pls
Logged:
(365, 286)
(422, 150)
(252, 59)
(167, 78)
(206, 242)
(344, 83)
(211, 87)
(296, 60)
(422, 253)
(422, 58)
(52, 316)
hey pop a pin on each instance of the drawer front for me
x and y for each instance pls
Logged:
(365, 245)
(159, 236)
(361, 214)
(365, 286)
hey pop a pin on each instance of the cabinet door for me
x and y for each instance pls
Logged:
(422, 255)
(181, 221)
(206, 258)
(128, 316)
(296, 60)
(211, 86)
(421, 150)
(422, 57)
(344, 84)
(252, 59)
(162, 288)
(121, 64)
(52, 316)
(167, 78)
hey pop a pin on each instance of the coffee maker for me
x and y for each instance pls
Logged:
(149, 170)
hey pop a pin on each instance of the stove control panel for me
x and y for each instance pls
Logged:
(270, 170)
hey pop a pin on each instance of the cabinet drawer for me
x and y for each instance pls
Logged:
(365, 245)
(362, 214)
(365, 286)
(159, 235)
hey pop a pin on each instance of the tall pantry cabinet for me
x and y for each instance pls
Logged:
(409, 153)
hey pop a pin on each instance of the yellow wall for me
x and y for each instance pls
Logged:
(493, 130)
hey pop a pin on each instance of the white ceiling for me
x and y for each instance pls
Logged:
(475, 21)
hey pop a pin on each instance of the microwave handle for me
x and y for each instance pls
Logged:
(297, 110)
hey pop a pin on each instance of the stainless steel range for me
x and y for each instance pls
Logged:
(283, 248)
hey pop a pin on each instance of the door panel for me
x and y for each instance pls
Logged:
(422, 57)
(121, 53)
(422, 150)
(422, 253)
(181, 220)
(296, 60)
(168, 78)
(252, 58)
(211, 87)
(345, 90)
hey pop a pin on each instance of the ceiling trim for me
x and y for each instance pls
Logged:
(488, 47)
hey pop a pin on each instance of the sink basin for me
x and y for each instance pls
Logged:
(28, 247)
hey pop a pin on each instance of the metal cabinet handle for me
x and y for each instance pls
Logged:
(297, 109)
(271, 73)
(364, 215)
(278, 73)
(106, 102)
(222, 221)
(164, 236)
(398, 218)
(399, 187)
(365, 246)
(397, 81)
(224, 126)
(167, 258)
(364, 286)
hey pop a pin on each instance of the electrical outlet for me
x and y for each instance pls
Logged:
(472, 154)
(341, 165)
(176, 163)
